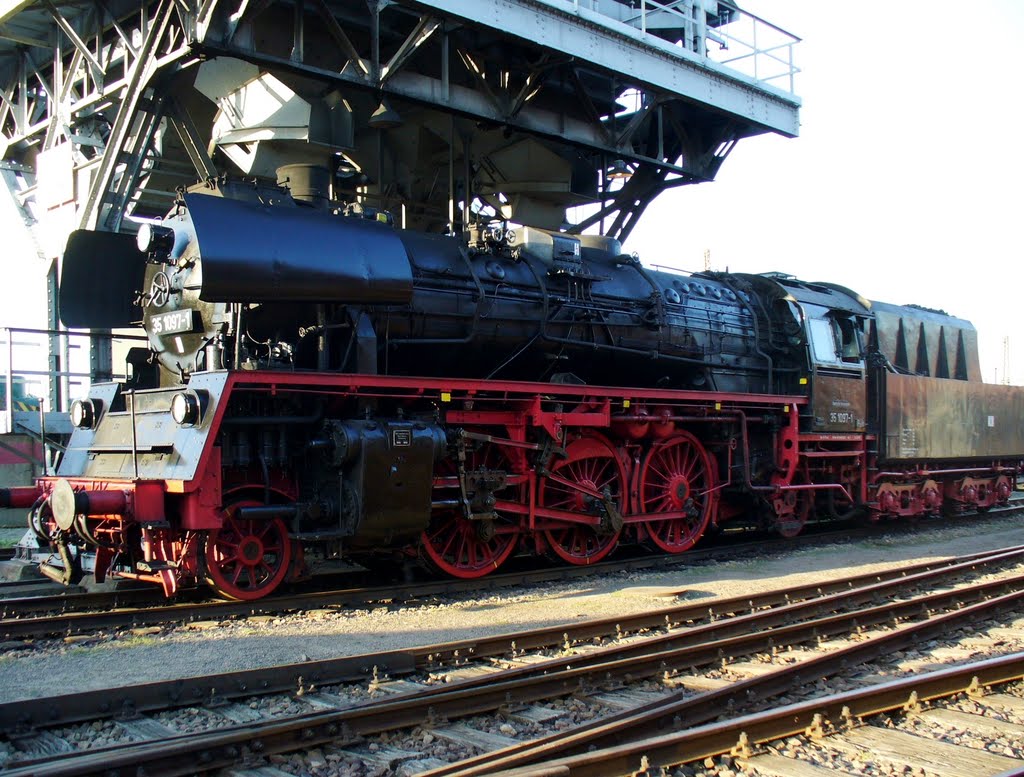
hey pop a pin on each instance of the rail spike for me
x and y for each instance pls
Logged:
(742, 747)
(975, 690)
(817, 728)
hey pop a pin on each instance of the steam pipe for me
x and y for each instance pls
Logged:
(19, 496)
(101, 502)
(830, 487)
(268, 512)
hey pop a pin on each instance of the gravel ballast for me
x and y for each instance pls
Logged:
(52, 667)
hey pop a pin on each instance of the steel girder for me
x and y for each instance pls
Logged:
(111, 78)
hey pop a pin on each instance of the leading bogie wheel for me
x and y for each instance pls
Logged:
(246, 559)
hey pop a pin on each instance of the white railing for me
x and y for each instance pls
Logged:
(736, 39)
(37, 361)
(759, 49)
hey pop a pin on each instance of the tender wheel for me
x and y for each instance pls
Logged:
(246, 559)
(594, 464)
(471, 548)
(677, 476)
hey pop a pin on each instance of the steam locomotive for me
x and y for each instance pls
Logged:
(321, 385)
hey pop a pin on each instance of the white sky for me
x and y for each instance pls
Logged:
(23, 289)
(905, 181)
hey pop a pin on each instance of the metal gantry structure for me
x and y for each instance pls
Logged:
(560, 114)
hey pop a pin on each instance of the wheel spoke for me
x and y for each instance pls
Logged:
(232, 525)
(657, 471)
(453, 537)
(687, 464)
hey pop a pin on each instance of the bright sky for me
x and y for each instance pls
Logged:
(23, 292)
(903, 185)
(905, 181)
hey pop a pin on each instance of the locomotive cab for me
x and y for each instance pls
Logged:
(835, 324)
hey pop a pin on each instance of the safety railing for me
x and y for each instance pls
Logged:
(44, 370)
(729, 36)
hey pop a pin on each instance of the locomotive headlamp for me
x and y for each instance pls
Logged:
(155, 239)
(186, 408)
(84, 413)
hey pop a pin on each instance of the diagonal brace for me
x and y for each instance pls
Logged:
(339, 35)
(425, 27)
(73, 36)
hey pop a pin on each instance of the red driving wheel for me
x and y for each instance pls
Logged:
(677, 476)
(464, 547)
(594, 464)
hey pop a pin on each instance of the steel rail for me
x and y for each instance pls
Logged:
(834, 712)
(18, 586)
(680, 712)
(129, 700)
(181, 754)
(789, 624)
(57, 598)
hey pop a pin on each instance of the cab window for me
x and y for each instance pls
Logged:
(823, 341)
(849, 343)
(834, 340)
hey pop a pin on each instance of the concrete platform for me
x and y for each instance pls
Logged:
(16, 570)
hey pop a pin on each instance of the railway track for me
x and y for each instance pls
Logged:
(839, 722)
(65, 613)
(507, 673)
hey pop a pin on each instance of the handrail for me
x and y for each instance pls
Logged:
(43, 364)
(754, 44)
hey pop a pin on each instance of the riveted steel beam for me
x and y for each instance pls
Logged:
(10, 8)
(578, 32)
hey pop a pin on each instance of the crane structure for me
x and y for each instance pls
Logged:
(435, 110)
